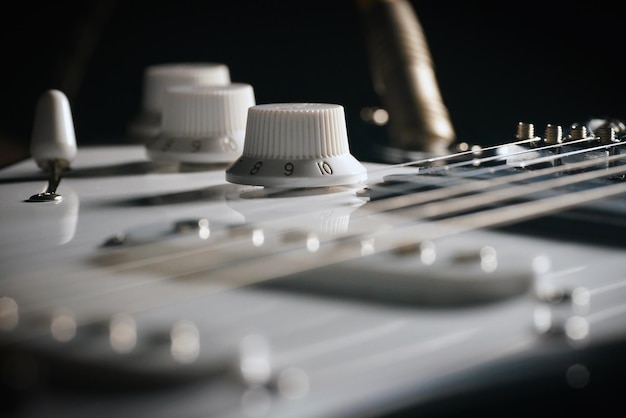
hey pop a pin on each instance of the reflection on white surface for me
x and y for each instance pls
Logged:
(488, 259)
(63, 326)
(185, 338)
(428, 254)
(255, 363)
(547, 291)
(68, 216)
(542, 319)
(32, 227)
(577, 328)
(256, 402)
(367, 247)
(581, 300)
(56, 221)
(312, 243)
(315, 208)
(293, 383)
(541, 264)
(123, 333)
(258, 237)
(204, 232)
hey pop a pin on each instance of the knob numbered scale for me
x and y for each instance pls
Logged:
(296, 145)
(202, 124)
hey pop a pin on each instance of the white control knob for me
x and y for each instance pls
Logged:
(203, 124)
(158, 78)
(296, 145)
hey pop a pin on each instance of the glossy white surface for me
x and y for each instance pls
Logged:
(353, 332)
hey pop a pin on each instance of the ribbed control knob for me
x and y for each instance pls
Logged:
(203, 124)
(158, 78)
(296, 145)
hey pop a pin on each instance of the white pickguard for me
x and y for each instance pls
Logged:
(352, 331)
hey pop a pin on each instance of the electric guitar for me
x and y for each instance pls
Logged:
(489, 280)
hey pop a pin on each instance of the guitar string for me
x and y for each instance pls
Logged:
(498, 157)
(478, 151)
(572, 166)
(273, 192)
(453, 185)
(465, 203)
(477, 161)
(391, 239)
(588, 198)
(424, 169)
(481, 150)
(406, 200)
(491, 170)
(150, 259)
(171, 302)
(255, 272)
(382, 205)
(317, 263)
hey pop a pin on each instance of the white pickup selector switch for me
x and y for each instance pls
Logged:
(203, 124)
(158, 78)
(296, 145)
(53, 137)
(53, 142)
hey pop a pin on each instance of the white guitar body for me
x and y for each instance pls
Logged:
(155, 290)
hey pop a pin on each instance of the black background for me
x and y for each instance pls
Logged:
(496, 63)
